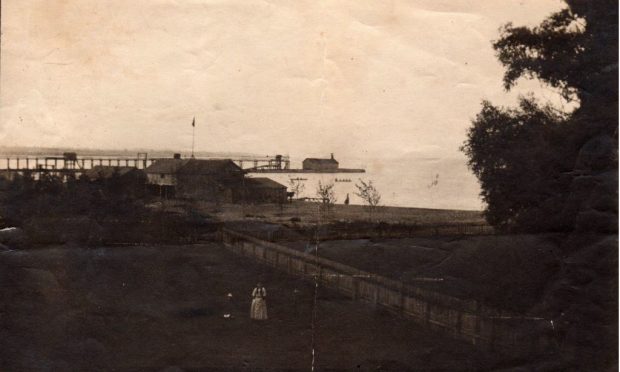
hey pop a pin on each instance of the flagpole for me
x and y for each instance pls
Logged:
(193, 132)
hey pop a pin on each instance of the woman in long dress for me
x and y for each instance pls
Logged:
(258, 310)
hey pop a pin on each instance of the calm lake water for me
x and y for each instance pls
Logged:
(425, 183)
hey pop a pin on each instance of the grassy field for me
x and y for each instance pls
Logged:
(308, 212)
(161, 308)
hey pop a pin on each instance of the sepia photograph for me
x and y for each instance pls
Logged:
(310, 185)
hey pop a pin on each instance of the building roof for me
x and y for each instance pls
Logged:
(263, 183)
(322, 161)
(105, 171)
(192, 166)
(209, 166)
(167, 166)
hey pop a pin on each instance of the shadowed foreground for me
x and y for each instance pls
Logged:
(152, 308)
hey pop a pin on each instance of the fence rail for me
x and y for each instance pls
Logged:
(461, 319)
(397, 231)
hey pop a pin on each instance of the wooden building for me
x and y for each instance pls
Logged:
(264, 190)
(315, 164)
(211, 180)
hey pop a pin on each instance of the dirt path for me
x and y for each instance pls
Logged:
(152, 308)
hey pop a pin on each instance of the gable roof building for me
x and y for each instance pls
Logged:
(317, 164)
(209, 166)
(264, 190)
(192, 166)
(166, 166)
(263, 183)
(207, 179)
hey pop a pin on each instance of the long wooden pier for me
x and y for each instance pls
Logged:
(70, 163)
(61, 164)
(78, 164)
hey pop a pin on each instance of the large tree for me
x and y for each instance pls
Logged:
(525, 157)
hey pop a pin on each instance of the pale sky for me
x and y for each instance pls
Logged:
(361, 78)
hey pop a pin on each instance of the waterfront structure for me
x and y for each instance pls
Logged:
(264, 190)
(316, 164)
(204, 179)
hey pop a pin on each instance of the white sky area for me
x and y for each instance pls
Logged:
(367, 80)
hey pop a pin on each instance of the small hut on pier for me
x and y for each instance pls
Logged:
(315, 164)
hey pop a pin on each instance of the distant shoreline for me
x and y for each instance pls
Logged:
(403, 182)
(32, 150)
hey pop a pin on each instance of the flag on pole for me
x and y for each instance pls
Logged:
(194, 122)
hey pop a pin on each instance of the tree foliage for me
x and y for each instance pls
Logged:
(524, 156)
(326, 192)
(49, 195)
(297, 187)
(369, 194)
(574, 50)
(517, 155)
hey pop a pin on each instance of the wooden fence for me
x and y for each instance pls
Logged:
(352, 232)
(461, 319)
